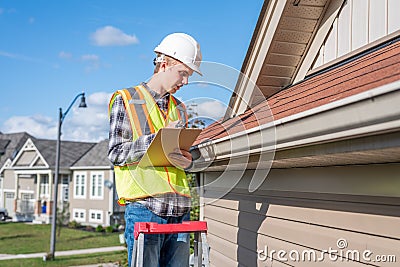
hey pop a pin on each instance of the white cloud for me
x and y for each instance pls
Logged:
(90, 58)
(88, 124)
(65, 55)
(10, 10)
(80, 124)
(111, 36)
(93, 62)
(37, 125)
(99, 98)
(16, 56)
(211, 109)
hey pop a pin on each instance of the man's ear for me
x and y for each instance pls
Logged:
(163, 66)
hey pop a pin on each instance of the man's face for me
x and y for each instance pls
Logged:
(177, 76)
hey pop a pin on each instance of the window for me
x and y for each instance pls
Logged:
(26, 196)
(79, 215)
(96, 216)
(65, 188)
(96, 185)
(9, 195)
(80, 185)
(44, 185)
(65, 193)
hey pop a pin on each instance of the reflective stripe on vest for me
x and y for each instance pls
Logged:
(133, 182)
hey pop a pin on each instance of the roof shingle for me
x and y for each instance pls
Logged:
(70, 151)
(10, 144)
(96, 156)
(364, 73)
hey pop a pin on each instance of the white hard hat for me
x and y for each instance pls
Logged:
(182, 47)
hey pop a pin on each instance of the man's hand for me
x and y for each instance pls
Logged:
(180, 158)
(175, 124)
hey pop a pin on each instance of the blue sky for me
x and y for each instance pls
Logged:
(52, 50)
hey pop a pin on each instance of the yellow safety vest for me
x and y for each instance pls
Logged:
(133, 182)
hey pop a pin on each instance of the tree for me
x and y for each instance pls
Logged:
(62, 216)
(194, 121)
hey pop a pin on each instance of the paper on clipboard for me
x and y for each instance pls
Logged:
(165, 141)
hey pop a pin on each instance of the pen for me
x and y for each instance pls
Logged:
(180, 124)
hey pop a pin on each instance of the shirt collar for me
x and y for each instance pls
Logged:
(154, 94)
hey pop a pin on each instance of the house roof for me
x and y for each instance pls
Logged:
(280, 42)
(96, 156)
(374, 68)
(70, 153)
(10, 144)
(3, 145)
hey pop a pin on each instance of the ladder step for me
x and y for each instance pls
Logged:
(201, 253)
(172, 228)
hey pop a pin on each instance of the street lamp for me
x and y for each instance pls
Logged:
(61, 118)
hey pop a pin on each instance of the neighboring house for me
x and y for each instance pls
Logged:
(85, 181)
(10, 144)
(30, 177)
(93, 198)
(308, 161)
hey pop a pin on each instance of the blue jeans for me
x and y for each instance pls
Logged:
(169, 250)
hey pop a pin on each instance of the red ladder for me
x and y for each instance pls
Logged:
(199, 228)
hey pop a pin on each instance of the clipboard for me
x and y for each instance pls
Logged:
(165, 141)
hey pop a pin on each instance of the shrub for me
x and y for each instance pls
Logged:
(74, 224)
(99, 228)
(109, 229)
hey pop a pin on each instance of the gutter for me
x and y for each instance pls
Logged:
(367, 113)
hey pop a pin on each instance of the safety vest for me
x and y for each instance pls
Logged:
(134, 182)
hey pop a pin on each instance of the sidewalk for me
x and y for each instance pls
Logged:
(61, 253)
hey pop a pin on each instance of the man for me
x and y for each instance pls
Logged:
(154, 194)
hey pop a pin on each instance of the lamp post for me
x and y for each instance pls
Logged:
(61, 117)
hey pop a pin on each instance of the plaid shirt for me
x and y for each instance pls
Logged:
(122, 150)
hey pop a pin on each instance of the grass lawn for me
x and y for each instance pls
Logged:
(74, 260)
(21, 238)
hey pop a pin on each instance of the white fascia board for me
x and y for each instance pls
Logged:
(267, 31)
(21, 151)
(42, 158)
(6, 165)
(291, 130)
(29, 140)
(30, 171)
(91, 168)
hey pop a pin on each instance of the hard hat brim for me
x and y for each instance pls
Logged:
(193, 67)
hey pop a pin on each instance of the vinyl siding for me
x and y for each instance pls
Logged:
(288, 213)
(88, 203)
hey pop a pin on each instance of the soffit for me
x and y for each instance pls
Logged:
(293, 35)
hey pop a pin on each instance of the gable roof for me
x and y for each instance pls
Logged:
(10, 144)
(376, 67)
(96, 156)
(280, 42)
(70, 153)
